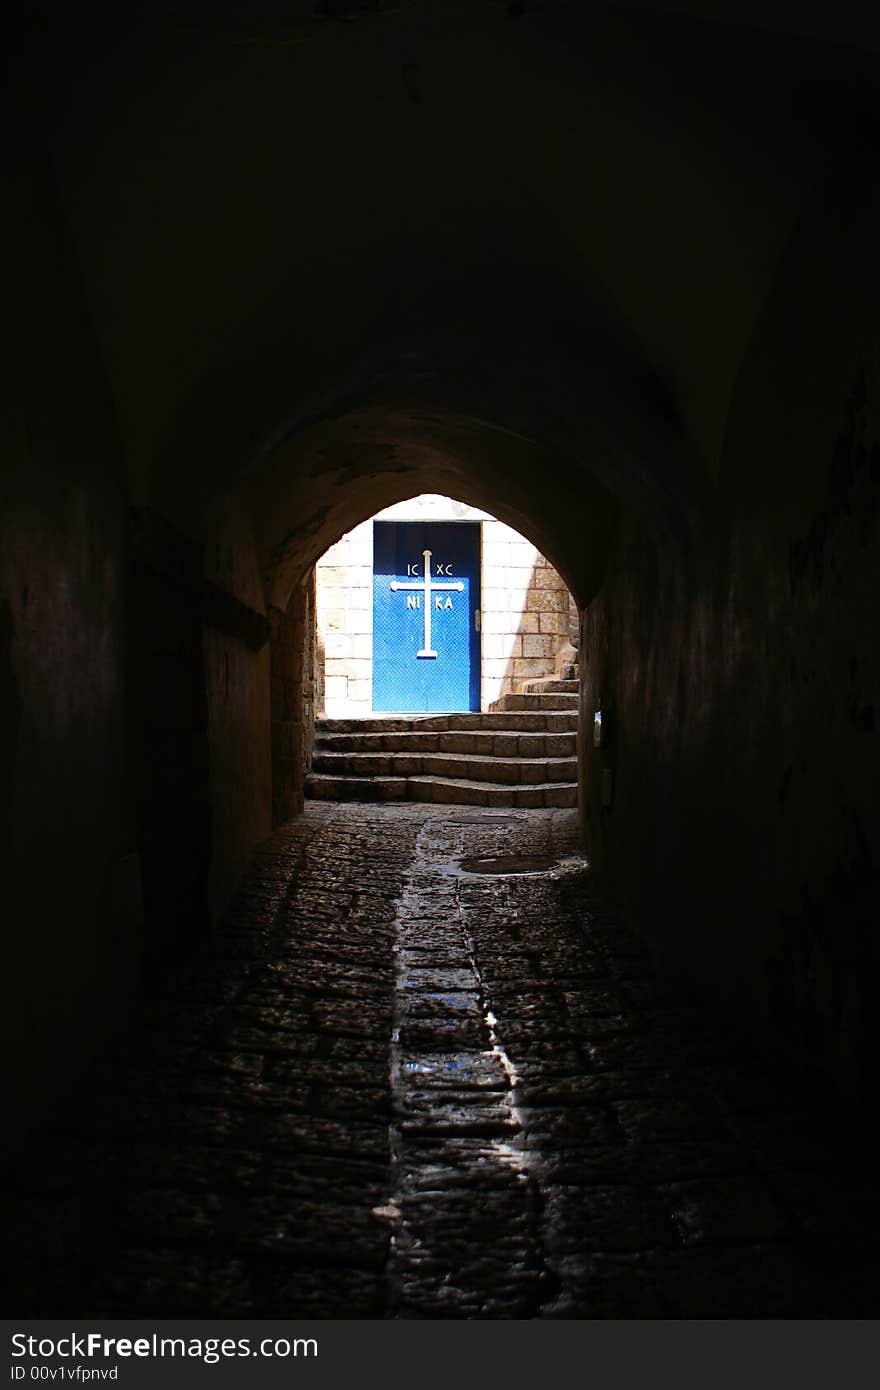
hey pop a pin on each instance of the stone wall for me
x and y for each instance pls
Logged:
(237, 674)
(293, 698)
(70, 902)
(168, 732)
(199, 729)
(527, 611)
(736, 666)
(344, 612)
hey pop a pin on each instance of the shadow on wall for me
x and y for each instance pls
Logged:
(319, 674)
(294, 696)
(547, 626)
(10, 716)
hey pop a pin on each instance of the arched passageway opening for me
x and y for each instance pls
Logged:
(445, 663)
(320, 483)
(556, 464)
(429, 606)
(493, 606)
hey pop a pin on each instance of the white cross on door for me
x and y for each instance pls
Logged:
(427, 588)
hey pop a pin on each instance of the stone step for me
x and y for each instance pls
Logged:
(440, 790)
(525, 718)
(539, 703)
(482, 742)
(549, 685)
(509, 771)
(520, 757)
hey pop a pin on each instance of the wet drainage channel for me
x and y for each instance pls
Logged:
(465, 1238)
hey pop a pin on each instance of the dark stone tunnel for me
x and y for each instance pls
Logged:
(608, 271)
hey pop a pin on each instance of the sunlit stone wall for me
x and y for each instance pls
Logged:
(527, 611)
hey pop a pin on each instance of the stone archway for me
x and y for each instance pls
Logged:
(314, 480)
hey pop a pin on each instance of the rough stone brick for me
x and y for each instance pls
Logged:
(517, 578)
(495, 601)
(563, 795)
(359, 621)
(447, 794)
(524, 667)
(533, 770)
(496, 622)
(528, 796)
(406, 764)
(546, 601)
(336, 645)
(546, 578)
(457, 743)
(531, 746)
(498, 667)
(500, 532)
(333, 576)
(337, 687)
(358, 576)
(500, 796)
(493, 645)
(537, 646)
(355, 669)
(360, 552)
(554, 622)
(495, 553)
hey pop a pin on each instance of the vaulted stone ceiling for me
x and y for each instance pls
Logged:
(558, 220)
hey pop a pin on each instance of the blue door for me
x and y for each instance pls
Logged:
(426, 600)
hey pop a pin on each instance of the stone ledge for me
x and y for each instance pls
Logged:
(527, 718)
(442, 790)
(509, 771)
(523, 702)
(529, 744)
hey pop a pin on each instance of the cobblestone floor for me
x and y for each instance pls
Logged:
(407, 1090)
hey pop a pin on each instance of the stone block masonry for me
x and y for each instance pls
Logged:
(528, 614)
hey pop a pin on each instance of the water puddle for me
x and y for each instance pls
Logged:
(508, 863)
(518, 865)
